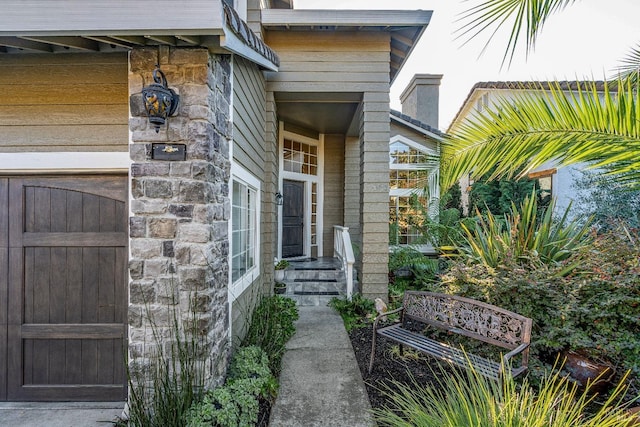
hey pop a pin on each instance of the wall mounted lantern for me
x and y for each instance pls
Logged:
(160, 102)
(279, 199)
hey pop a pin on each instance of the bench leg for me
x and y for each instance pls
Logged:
(373, 351)
(401, 350)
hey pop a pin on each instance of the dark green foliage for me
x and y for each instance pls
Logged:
(355, 313)
(498, 196)
(452, 199)
(272, 324)
(595, 309)
(237, 402)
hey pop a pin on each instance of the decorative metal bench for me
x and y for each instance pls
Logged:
(464, 316)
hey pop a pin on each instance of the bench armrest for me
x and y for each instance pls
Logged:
(377, 318)
(519, 349)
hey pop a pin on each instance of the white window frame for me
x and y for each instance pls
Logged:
(433, 175)
(244, 177)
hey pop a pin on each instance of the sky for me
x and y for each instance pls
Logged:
(587, 40)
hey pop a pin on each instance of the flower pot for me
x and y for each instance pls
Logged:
(585, 371)
(279, 275)
(280, 288)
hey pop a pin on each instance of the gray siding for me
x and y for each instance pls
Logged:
(253, 153)
(333, 188)
(333, 61)
(64, 102)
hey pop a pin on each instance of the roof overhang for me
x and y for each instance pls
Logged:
(53, 26)
(405, 26)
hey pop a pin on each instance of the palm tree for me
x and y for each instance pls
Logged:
(582, 124)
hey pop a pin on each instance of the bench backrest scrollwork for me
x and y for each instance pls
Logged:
(475, 319)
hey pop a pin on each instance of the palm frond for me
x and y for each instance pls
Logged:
(527, 16)
(517, 135)
(629, 68)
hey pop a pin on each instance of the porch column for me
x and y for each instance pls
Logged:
(352, 189)
(374, 194)
(270, 210)
(179, 241)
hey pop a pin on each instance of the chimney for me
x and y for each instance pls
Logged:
(421, 97)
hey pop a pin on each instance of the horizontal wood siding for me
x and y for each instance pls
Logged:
(251, 153)
(64, 102)
(249, 117)
(333, 189)
(332, 61)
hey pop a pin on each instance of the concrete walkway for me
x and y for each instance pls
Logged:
(63, 414)
(320, 383)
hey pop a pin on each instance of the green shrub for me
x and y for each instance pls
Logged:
(594, 309)
(355, 313)
(525, 236)
(271, 326)
(468, 399)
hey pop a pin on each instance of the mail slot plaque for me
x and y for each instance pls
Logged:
(173, 152)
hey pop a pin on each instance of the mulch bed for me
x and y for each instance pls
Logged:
(389, 366)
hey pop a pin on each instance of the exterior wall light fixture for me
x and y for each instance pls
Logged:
(279, 199)
(160, 102)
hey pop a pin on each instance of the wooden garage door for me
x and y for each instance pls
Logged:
(63, 298)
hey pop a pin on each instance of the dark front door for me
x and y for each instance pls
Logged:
(63, 246)
(293, 219)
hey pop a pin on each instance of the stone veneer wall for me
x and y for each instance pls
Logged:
(179, 241)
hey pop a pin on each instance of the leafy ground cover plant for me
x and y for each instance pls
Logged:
(236, 404)
(355, 313)
(251, 381)
(466, 398)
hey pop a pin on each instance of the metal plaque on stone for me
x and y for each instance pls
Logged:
(168, 152)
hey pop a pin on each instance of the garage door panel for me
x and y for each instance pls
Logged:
(67, 289)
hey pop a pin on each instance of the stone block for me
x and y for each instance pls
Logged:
(145, 248)
(197, 74)
(181, 210)
(181, 56)
(142, 292)
(156, 267)
(141, 207)
(158, 189)
(137, 226)
(182, 253)
(139, 152)
(136, 269)
(194, 233)
(181, 169)
(168, 249)
(150, 169)
(192, 191)
(143, 59)
(192, 278)
(163, 228)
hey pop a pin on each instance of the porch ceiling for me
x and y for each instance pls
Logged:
(329, 113)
